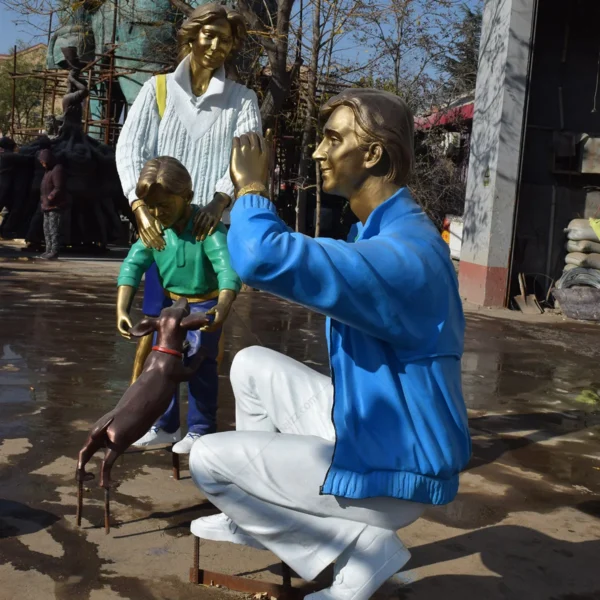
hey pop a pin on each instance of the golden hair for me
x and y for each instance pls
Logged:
(385, 119)
(169, 174)
(207, 13)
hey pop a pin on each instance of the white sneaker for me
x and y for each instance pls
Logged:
(185, 445)
(375, 556)
(220, 528)
(157, 437)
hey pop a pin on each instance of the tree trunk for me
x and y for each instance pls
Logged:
(276, 47)
(308, 130)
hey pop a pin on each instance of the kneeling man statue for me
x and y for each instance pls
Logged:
(327, 469)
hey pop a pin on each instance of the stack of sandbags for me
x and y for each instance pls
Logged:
(583, 246)
(578, 290)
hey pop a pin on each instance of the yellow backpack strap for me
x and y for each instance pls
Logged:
(161, 94)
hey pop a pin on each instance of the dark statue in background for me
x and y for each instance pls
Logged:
(77, 92)
(93, 188)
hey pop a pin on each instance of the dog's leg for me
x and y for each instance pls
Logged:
(96, 440)
(79, 502)
(109, 459)
(106, 511)
(92, 445)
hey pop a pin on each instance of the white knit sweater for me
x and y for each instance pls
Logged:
(197, 130)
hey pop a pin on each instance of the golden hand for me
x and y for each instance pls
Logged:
(125, 294)
(208, 218)
(124, 324)
(149, 228)
(221, 310)
(251, 160)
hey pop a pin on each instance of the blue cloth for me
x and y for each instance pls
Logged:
(203, 387)
(395, 331)
(154, 295)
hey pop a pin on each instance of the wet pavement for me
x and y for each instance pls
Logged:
(526, 523)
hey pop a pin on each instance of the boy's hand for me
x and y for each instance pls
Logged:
(221, 310)
(124, 324)
(125, 294)
(150, 229)
(208, 218)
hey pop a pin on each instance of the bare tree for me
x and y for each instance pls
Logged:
(407, 38)
(308, 129)
(273, 36)
(330, 26)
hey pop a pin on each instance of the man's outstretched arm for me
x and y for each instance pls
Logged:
(385, 289)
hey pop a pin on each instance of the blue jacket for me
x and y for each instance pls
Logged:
(395, 331)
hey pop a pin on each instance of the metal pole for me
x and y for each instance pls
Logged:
(45, 78)
(111, 75)
(54, 96)
(43, 104)
(86, 126)
(195, 570)
(14, 94)
(50, 28)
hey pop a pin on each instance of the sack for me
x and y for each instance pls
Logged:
(595, 225)
(584, 233)
(579, 259)
(576, 276)
(585, 246)
(578, 224)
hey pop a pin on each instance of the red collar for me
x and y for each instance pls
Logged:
(167, 351)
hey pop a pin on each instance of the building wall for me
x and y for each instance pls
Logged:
(495, 150)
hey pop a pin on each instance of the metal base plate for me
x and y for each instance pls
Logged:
(252, 586)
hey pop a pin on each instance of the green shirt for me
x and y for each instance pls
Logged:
(186, 267)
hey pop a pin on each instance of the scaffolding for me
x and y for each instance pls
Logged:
(101, 76)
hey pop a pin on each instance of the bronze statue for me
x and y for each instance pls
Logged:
(147, 398)
(387, 434)
(199, 110)
(197, 270)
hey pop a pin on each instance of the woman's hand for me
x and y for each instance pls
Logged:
(221, 310)
(209, 217)
(251, 160)
(150, 229)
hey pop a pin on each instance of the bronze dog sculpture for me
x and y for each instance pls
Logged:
(146, 399)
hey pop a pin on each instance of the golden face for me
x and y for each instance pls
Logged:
(341, 155)
(213, 44)
(168, 209)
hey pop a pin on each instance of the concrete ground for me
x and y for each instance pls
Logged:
(524, 526)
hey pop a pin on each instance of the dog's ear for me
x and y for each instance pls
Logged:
(194, 321)
(144, 327)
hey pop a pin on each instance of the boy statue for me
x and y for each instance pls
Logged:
(197, 270)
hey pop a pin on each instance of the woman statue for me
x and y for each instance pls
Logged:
(196, 124)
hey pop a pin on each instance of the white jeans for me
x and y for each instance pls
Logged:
(266, 476)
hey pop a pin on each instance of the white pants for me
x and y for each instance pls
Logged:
(266, 476)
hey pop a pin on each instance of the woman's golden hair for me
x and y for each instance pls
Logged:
(207, 13)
